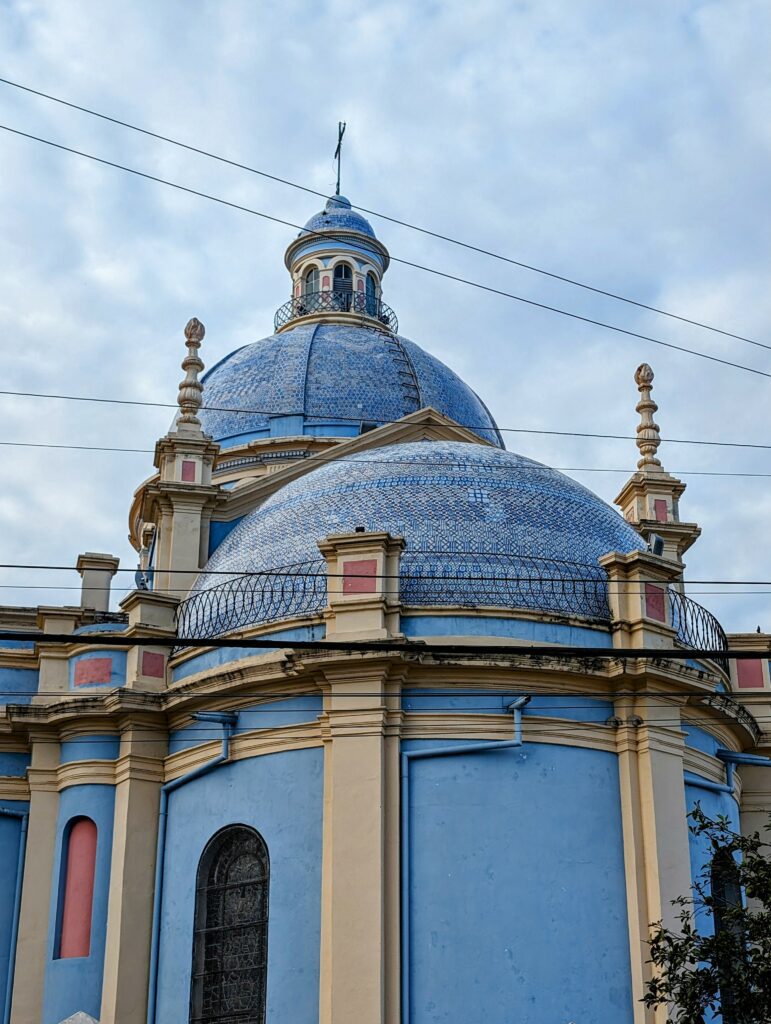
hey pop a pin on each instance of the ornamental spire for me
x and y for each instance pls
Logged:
(648, 437)
(190, 397)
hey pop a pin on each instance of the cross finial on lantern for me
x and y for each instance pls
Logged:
(190, 397)
(648, 437)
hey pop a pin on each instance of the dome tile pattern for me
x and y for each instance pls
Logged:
(338, 215)
(483, 527)
(331, 372)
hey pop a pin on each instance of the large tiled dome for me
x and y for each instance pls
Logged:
(482, 526)
(335, 378)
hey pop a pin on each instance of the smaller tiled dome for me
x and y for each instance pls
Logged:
(482, 527)
(338, 215)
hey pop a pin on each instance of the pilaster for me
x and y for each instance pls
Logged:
(639, 598)
(362, 585)
(32, 943)
(150, 614)
(96, 571)
(359, 934)
(650, 747)
(139, 776)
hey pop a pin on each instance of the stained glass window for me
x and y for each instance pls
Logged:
(230, 947)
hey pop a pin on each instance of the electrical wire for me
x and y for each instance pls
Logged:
(393, 462)
(408, 263)
(393, 220)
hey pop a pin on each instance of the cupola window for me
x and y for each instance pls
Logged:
(312, 281)
(371, 295)
(343, 286)
(230, 947)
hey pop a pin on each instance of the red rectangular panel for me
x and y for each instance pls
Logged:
(749, 674)
(153, 665)
(660, 510)
(188, 471)
(655, 603)
(359, 576)
(92, 671)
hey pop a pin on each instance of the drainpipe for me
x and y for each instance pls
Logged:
(228, 722)
(516, 707)
(730, 759)
(23, 817)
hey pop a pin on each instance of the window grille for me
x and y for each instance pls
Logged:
(230, 947)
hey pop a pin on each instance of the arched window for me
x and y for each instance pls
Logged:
(312, 281)
(78, 867)
(343, 286)
(371, 295)
(726, 896)
(230, 947)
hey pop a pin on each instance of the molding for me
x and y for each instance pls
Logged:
(244, 746)
(14, 788)
(85, 773)
(535, 729)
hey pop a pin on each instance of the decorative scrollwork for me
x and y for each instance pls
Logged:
(336, 302)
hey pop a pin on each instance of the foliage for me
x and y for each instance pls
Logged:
(719, 961)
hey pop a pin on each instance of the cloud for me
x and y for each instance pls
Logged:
(628, 147)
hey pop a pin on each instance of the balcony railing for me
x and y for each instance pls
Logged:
(697, 628)
(336, 302)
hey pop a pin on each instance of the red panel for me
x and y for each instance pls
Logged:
(749, 674)
(188, 471)
(359, 576)
(660, 510)
(655, 604)
(153, 665)
(75, 939)
(92, 671)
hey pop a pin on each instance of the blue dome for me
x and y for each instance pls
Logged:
(333, 377)
(482, 526)
(338, 215)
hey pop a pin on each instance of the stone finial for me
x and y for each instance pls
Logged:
(648, 437)
(190, 397)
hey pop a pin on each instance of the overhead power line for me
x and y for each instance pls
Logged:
(392, 462)
(286, 573)
(384, 216)
(384, 646)
(407, 263)
(358, 419)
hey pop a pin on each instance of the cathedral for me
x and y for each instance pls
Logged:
(380, 735)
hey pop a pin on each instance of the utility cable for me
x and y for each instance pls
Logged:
(383, 216)
(390, 462)
(407, 263)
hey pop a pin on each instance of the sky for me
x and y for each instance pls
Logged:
(625, 145)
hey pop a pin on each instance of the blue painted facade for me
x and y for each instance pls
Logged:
(117, 672)
(517, 872)
(336, 376)
(520, 532)
(273, 714)
(75, 983)
(17, 685)
(10, 831)
(280, 795)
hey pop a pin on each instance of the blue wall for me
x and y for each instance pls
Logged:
(517, 894)
(17, 685)
(491, 625)
(269, 715)
(281, 795)
(10, 830)
(75, 983)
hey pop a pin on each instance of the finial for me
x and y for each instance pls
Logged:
(338, 151)
(190, 397)
(648, 437)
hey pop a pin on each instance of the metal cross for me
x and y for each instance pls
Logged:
(340, 134)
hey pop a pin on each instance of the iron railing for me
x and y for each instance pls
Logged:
(463, 579)
(695, 627)
(336, 302)
(288, 592)
(505, 581)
